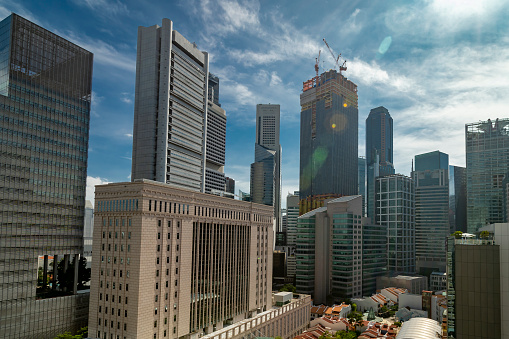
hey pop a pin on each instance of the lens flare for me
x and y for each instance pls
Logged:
(333, 125)
(345, 104)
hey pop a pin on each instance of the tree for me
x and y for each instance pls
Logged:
(397, 323)
(484, 235)
(288, 288)
(82, 333)
(355, 319)
(457, 234)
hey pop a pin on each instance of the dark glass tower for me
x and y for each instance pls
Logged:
(379, 152)
(487, 153)
(328, 139)
(431, 211)
(45, 87)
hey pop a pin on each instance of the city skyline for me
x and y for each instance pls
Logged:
(423, 68)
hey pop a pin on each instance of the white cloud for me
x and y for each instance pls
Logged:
(126, 98)
(129, 135)
(91, 183)
(104, 53)
(104, 7)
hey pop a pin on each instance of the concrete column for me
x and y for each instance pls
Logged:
(45, 272)
(75, 280)
(55, 271)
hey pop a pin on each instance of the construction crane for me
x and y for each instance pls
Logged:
(317, 67)
(341, 67)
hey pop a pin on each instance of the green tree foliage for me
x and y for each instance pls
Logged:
(457, 234)
(82, 333)
(397, 323)
(355, 319)
(288, 288)
(340, 335)
(484, 234)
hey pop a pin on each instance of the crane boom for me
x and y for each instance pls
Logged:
(317, 67)
(336, 60)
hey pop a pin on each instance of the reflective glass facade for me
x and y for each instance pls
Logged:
(487, 154)
(395, 206)
(457, 199)
(379, 152)
(45, 87)
(431, 211)
(362, 183)
(328, 136)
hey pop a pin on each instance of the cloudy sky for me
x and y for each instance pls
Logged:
(435, 65)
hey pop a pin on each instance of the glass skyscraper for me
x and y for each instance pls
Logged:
(265, 181)
(395, 206)
(487, 155)
(45, 87)
(431, 211)
(379, 152)
(457, 198)
(362, 183)
(328, 139)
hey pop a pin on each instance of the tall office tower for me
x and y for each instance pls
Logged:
(266, 170)
(216, 140)
(431, 211)
(88, 231)
(328, 139)
(45, 91)
(362, 183)
(487, 145)
(457, 199)
(174, 262)
(229, 185)
(379, 161)
(478, 284)
(292, 208)
(395, 209)
(374, 255)
(339, 253)
(178, 133)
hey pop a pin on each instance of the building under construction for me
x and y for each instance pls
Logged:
(328, 139)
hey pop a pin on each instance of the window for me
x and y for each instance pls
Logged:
(167, 271)
(166, 283)
(100, 296)
(99, 308)
(178, 235)
(126, 300)
(158, 248)
(176, 270)
(127, 289)
(157, 286)
(176, 259)
(168, 235)
(129, 235)
(120, 273)
(157, 296)
(167, 247)
(155, 324)
(104, 236)
(155, 311)
(158, 236)
(167, 260)
(176, 282)
(157, 261)
(109, 235)
(125, 312)
(175, 294)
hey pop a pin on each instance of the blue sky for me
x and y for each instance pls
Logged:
(435, 65)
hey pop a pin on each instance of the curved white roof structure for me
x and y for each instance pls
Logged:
(420, 328)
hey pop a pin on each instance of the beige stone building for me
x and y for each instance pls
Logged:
(171, 263)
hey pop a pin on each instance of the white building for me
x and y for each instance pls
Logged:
(179, 132)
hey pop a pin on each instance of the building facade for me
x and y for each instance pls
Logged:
(337, 250)
(179, 127)
(431, 211)
(379, 152)
(45, 97)
(457, 198)
(475, 290)
(362, 183)
(395, 209)
(173, 262)
(328, 139)
(487, 144)
(266, 170)
(88, 232)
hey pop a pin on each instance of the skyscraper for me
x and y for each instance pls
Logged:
(395, 209)
(487, 145)
(172, 262)
(328, 139)
(339, 253)
(266, 170)
(431, 211)
(45, 87)
(457, 198)
(379, 149)
(179, 127)
(362, 183)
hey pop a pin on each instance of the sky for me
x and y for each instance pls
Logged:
(435, 65)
